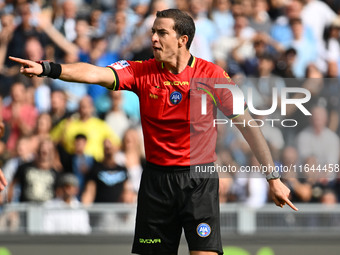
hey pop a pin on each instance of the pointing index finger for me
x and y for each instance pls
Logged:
(18, 60)
(291, 204)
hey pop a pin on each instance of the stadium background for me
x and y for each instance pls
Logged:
(261, 44)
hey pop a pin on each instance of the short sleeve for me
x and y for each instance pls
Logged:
(226, 96)
(125, 73)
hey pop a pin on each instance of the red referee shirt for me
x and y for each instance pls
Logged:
(175, 132)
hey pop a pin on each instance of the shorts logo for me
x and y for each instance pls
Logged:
(203, 230)
(175, 97)
(149, 241)
(120, 64)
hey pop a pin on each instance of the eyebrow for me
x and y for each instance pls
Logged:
(159, 30)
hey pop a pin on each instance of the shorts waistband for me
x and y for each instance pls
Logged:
(170, 169)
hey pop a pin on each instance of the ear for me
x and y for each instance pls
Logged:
(182, 41)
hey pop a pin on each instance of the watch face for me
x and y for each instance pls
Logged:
(276, 174)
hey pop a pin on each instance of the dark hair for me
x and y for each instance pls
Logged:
(184, 24)
(80, 136)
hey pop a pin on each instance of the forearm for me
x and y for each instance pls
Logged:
(256, 140)
(87, 73)
(76, 72)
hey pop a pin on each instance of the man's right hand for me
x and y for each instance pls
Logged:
(28, 67)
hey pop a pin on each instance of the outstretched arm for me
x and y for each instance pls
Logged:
(253, 135)
(77, 72)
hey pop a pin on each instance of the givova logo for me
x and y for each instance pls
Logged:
(203, 230)
(149, 241)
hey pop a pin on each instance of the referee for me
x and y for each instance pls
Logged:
(169, 199)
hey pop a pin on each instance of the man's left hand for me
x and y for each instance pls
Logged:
(280, 193)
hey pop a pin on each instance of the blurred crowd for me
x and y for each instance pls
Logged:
(77, 143)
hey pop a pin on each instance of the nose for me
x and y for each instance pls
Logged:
(154, 37)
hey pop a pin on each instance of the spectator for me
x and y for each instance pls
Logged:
(85, 123)
(118, 37)
(319, 141)
(74, 92)
(281, 30)
(116, 118)
(222, 16)
(78, 163)
(66, 22)
(24, 153)
(285, 63)
(42, 130)
(83, 40)
(251, 189)
(132, 156)
(332, 49)
(26, 29)
(260, 20)
(106, 180)
(20, 116)
(64, 214)
(301, 189)
(306, 49)
(314, 84)
(139, 48)
(206, 31)
(240, 42)
(276, 9)
(262, 43)
(101, 56)
(119, 6)
(247, 8)
(329, 198)
(317, 8)
(182, 5)
(7, 28)
(58, 107)
(37, 179)
(42, 92)
(262, 87)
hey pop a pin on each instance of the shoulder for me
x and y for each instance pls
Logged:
(210, 69)
(306, 134)
(26, 166)
(332, 135)
(121, 64)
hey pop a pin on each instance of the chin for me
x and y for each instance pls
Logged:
(157, 56)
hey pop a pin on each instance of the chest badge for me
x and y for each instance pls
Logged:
(175, 97)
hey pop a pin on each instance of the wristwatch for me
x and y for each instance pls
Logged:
(273, 175)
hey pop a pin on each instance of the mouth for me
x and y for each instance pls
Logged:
(156, 48)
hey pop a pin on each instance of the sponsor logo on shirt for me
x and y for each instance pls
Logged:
(176, 83)
(203, 230)
(120, 64)
(153, 96)
(175, 97)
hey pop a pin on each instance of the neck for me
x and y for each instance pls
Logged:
(109, 161)
(179, 63)
(44, 165)
(85, 118)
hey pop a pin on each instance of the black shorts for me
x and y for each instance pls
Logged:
(170, 199)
